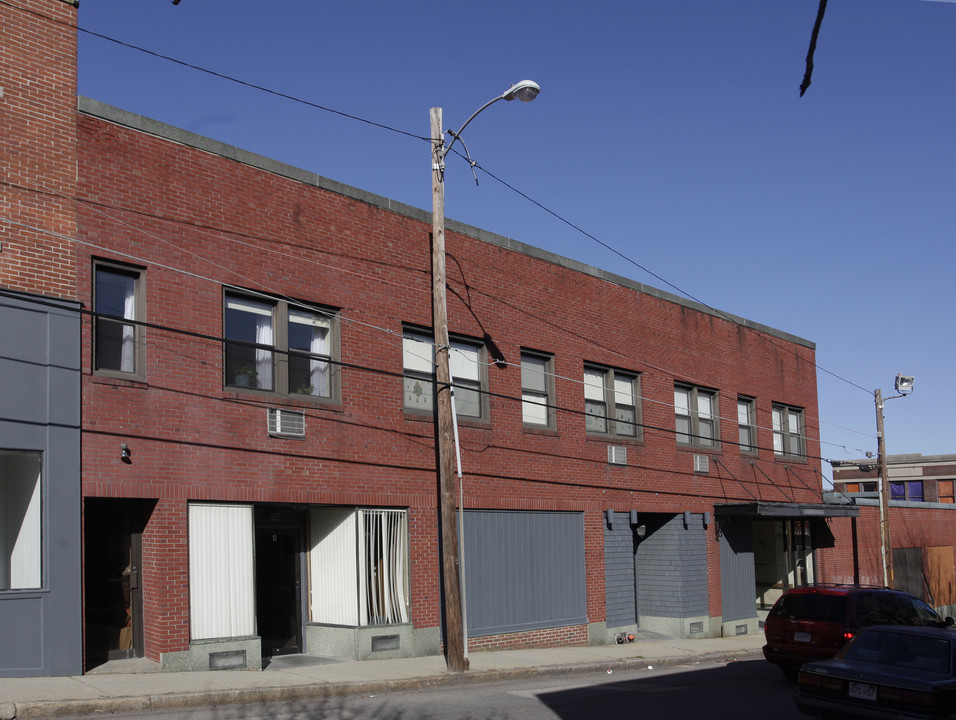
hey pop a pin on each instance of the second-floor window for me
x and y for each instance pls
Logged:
(610, 402)
(278, 346)
(537, 389)
(467, 367)
(746, 424)
(696, 415)
(911, 490)
(117, 303)
(788, 438)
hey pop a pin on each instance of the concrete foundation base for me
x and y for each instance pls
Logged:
(371, 643)
(223, 654)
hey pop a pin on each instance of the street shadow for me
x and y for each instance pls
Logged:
(743, 690)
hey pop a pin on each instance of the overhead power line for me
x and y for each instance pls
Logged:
(389, 128)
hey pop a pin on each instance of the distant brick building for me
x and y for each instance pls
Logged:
(912, 478)
(921, 528)
(251, 345)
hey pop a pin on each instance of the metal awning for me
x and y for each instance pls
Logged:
(771, 510)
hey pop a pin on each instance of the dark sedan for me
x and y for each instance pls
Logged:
(885, 672)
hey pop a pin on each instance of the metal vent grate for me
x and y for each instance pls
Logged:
(617, 454)
(701, 463)
(285, 422)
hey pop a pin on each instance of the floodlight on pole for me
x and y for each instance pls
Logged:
(455, 631)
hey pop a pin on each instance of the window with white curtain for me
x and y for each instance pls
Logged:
(359, 566)
(383, 566)
(249, 342)
(695, 411)
(278, 346)
(467, 367)
(309, 353)
(20, 521)
(117, 303)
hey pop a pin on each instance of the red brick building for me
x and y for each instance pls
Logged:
(258, 439)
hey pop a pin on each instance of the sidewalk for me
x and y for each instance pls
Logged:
(136, 685)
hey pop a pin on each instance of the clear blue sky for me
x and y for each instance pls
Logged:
(671, 131)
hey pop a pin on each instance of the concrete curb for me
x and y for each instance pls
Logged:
(42, 710)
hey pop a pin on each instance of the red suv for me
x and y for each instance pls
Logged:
(813, 622)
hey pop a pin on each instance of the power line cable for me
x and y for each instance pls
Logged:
(416, 136)
(630, 260)
(299, 303)
(472, 163)
(254, 86)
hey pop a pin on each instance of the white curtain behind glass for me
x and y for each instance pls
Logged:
(383, 566)
(264, 356)
(319, 344)
(128, 356)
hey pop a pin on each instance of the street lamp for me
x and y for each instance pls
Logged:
(455, 660)
(904, 386)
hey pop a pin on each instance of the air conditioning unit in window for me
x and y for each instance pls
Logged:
(288, 423)
(617, 454)
(701, 464)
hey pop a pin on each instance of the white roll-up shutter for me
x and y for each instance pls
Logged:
(334, 590)
(221, 571)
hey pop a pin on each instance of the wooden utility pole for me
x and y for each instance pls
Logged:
(454, 630)
(886, 548)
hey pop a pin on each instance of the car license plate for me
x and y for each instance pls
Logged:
(864, 691)
(801, 637)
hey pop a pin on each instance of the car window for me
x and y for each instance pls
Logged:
(805, 606)
(926, 614)
(901, 650)
(887, 609)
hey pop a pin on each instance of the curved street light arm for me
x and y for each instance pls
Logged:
(526, 91)
(456, 135)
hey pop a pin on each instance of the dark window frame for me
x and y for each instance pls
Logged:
(537, 393)
(603, 416)
(747, 430)
(693, 435)
(315, 375)
(471, 390)
(785, 437)
(112, 331)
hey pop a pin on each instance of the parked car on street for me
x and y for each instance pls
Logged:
(884, 673)
(814, 622)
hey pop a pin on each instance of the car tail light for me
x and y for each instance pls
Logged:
(848, 634)
(809, 679)
(823, 682)
(920, 698)
(833, 684)
(891, 694)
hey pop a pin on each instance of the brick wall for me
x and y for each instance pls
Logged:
(38, 147)
(194, 221)
(856, 556)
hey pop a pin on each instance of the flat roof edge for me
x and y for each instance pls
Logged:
(109, 113)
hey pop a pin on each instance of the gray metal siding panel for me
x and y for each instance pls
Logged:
(619, 573)
(737, 575)
(41, 402)
(523, 571)
(672, 569)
